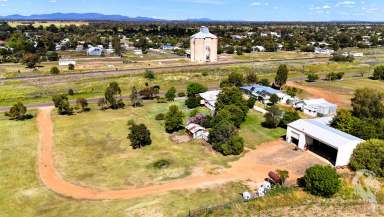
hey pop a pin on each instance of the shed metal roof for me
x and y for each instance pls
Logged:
(316, 129)
(260, 88)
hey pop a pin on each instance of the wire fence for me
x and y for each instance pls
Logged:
(211, 209)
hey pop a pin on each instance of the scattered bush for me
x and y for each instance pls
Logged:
(251, 102)
(181, 94)
(161, 100)
(71, 67)
(378, 73)
(160, 117)
(139, 135)
(193, 102)
(273, 117)
(161, 164)
(54, 70)
(289, 117)
(173, 119)
(61, 102)
(83, 103)
(170, 95)
(311, 77)
(251, 78)
(322, 181)
(342, 58)
(150, 75)
(265, 82)
(332, 76)
(71, 92)
(18, 112)
(369, 155)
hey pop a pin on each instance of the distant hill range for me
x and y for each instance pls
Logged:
(88, 17)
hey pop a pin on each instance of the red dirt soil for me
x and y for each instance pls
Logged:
(340, 100)
(249, 167)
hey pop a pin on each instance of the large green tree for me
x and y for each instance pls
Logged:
(139, 135)
(173, 119)
(62, 104)
(113, 96)
(368, 103)
(281, 76)
(378, 74)
(18, 112)
(369, 155)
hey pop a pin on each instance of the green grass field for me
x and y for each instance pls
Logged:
(92, 148)
(88, 144)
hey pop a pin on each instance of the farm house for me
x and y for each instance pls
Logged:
(264, 93)
(317, 136)
(317, 107)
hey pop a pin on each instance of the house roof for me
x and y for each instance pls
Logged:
(210, 96)
(260, 89)
(317, 129)
(204, 33)
(194, 128)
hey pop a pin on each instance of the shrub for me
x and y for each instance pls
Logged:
(273, 117)
(234, 146)
(252, 78)
(52, 56)
(173, 119)
(170, 95)
(322, 181)
(289, 117)
(160, 117)
(204, 74)
(54, 70)
(193, 102)
(251, 102)
(71, 67)
(311, 77)
(161, 100)
(369, 155)
(139, 135)
(265, 82)
(378, 74)
(150, 75)
(181, 94)
(71, 92)
(161, 164)
(18, 112)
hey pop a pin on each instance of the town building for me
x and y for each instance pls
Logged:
(317, 136)
(204, 46)
(66, 62)
(95, 51)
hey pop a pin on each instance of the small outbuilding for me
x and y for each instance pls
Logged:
(209, 99)
(317, 136)
(197, 132)
(317, 107)
(95, 51)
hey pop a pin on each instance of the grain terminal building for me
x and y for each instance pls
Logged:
(204, 46)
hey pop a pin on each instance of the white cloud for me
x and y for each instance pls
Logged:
(346, 3)
(255, 4)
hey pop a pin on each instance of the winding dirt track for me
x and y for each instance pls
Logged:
(248, 167)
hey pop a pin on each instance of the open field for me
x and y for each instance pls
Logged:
(338, 91)
(83, 154)
(47, 23)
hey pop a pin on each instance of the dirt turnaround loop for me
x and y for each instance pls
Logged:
(254, 165)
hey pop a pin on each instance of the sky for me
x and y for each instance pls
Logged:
(247, 10)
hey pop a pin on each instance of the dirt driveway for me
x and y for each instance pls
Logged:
(254, 166)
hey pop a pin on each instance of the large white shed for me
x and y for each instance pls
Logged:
(322, 139)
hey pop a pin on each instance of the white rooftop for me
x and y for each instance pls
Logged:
(210, 95)
(319, 130)
(194, 128)
(204, 33)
